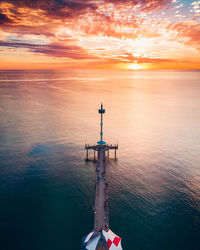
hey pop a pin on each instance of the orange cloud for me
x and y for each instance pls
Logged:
(94, 33)
(189, 31)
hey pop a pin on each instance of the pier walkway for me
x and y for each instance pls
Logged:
(101, 219)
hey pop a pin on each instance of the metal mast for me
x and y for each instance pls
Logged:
(101, 111)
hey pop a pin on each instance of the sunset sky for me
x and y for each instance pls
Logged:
(136, 34)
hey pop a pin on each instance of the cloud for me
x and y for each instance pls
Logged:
(90, 16)
(4, 19)
(75, 29)
(53, 49)
(188, 32)
(196, 7)
(59, 9)
(129, 58)
(66, 9)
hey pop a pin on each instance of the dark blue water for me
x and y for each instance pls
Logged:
(46, 187)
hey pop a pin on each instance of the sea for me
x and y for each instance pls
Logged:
(47, 189)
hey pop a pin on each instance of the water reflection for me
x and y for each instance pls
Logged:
(46, 117)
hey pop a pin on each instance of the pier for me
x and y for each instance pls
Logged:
(101, 237)
(101, 208)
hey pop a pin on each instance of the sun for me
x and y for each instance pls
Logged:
(135, 66)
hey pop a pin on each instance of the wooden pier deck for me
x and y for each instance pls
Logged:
(101, 218)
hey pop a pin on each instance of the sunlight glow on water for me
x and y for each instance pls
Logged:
(46, 187)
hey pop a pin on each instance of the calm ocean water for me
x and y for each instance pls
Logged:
(46, 187)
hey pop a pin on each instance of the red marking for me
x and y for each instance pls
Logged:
(109, 242)
(116, 241)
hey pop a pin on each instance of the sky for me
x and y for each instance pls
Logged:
(108, 34)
